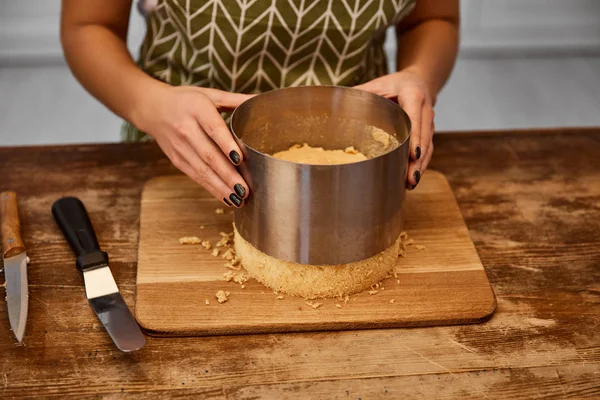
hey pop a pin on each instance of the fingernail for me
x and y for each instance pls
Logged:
(239, 189)
(234, 156)
(417, 176)
(235, 200)
(413, 187)
(227, 202)
(418, 152)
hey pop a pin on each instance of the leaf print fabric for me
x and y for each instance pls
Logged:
(253, 46)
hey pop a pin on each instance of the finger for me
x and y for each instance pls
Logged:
(414, 175)
(429, 155)
(212, 123)
(206, 174)
(416, 171)
(376, 86)
(208, 151)
(427, 116)
(371, 86)
(187, 169)
(226, 101)
(412, 103)
(427, 158)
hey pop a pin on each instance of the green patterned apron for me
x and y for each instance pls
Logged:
(255, 46)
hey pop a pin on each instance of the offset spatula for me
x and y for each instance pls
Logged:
(100, 287)
(15, 264)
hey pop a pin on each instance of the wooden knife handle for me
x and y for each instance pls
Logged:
(12, 244)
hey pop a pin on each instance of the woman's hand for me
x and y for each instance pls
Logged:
(186, 123)
(412, 93)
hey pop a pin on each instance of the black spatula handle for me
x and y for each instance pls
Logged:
(73, 220)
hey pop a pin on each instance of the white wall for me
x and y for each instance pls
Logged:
(29, 32)
(29, 28)
(531, 25)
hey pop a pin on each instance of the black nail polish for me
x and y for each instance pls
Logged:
(234, 156)
(413, 187)
(235, 200)
(227, 202)
(418, 152)
(239, 189)
(417, 176)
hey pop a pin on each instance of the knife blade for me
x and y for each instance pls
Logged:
(15, 264)
(100, 286)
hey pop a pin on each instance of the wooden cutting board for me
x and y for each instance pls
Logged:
(442, 284)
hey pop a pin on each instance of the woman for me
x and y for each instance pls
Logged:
(202, 57)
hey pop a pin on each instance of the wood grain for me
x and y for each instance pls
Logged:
(441, 285)
(530, 202)
(12, 244)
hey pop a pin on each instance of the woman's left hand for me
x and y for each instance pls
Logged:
(412, 93)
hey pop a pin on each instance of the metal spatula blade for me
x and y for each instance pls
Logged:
(100, 286)
(108, 304)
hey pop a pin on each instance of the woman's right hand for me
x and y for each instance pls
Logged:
(186, 123)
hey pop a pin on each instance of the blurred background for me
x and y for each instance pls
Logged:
(522, 64)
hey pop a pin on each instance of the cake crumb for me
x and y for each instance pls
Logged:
(398, 281)
(372, 292)
(221, 296)
(228, 255)
(240, 278)
(201, 226)
(232, 267)
(338, 305)
(346, 299)
(228, 276)
(420, 247)
(243, 286)
(206, 302)
(313, 305)
(190, 240)
(223, 242)
(219, 211)
(403, 235)
(392, 301)
(215, 252)
(350, 150)
(206, 244)
(280, 297)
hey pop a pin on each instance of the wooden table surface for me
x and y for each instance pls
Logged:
(531, 201)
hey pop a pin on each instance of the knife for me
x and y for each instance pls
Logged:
(15, 264)
(100, 286)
